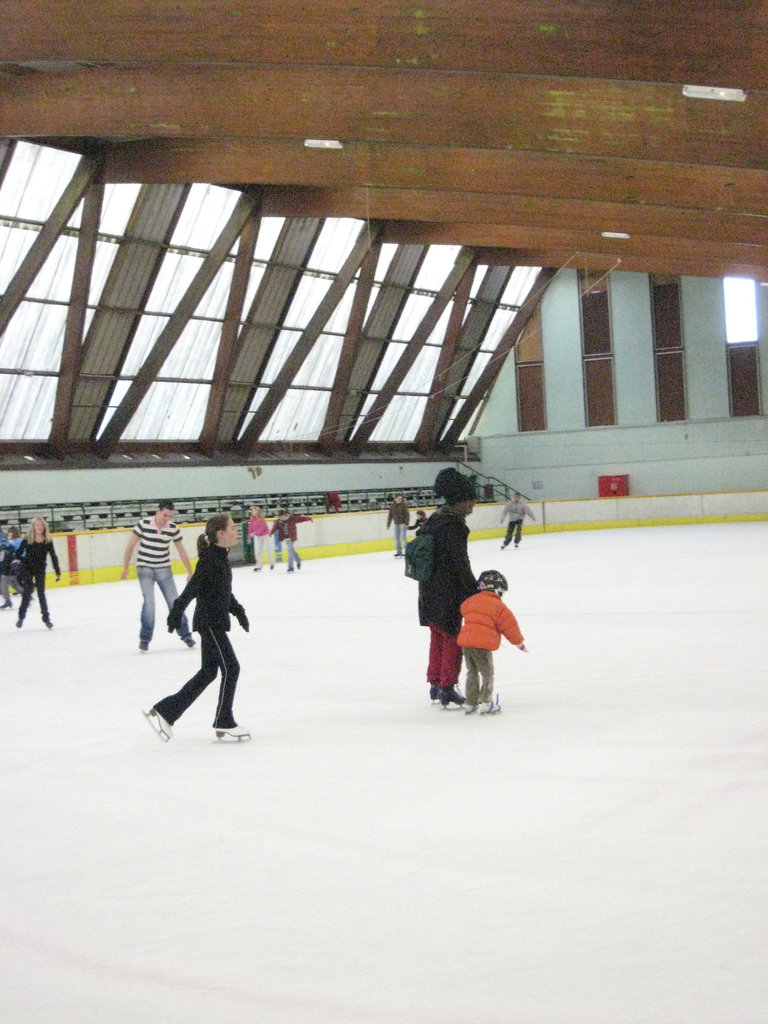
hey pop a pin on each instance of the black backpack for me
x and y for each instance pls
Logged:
(420, 557)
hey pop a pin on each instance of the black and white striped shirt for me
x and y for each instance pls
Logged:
(154, 547)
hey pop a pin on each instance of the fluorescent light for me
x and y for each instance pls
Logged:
(614, 234)
(323, 144)
(713, 92)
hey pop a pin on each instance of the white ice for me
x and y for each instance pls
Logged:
(597, 854)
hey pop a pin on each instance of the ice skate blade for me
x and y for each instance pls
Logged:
(155, 724)
(237, 734)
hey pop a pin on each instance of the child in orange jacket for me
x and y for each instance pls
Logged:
(486, 620)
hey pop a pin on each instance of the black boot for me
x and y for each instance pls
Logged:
(449, 695)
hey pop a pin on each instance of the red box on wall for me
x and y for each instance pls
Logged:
(613, 486)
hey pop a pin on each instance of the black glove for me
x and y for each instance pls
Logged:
(242, 618)
(174, 619)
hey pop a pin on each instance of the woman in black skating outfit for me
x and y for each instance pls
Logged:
(211, 587)
(33, 554)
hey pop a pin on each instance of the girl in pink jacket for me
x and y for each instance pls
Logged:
(260, 538)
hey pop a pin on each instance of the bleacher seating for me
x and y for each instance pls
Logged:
(124, 514)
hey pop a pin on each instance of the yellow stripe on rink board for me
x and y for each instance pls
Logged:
(111, 574)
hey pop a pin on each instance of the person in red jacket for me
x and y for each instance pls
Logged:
(486, 620)
(284, 529)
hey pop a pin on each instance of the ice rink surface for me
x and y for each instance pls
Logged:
(596, 854)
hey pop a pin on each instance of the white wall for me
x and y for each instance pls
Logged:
(45, 486)
(709, 452)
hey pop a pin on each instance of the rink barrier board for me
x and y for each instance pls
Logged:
(96, 556)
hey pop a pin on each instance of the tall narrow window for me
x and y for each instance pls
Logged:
(668, 349)
(529, 366)
(597, 353)
(740, 299)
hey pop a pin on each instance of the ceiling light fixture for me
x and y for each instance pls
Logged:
(323, 144)
(614, 234)
(713, 92)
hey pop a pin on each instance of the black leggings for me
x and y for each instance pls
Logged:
(217, 656)
(34, 582)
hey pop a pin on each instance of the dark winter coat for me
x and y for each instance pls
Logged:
(285, 528)
(452, 580)
(211, 588)
(398, 513)
(7, 554)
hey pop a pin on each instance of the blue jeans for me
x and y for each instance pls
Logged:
(148, 577)
(401, 536)
(293, 554)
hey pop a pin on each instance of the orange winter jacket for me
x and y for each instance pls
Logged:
(486, 620)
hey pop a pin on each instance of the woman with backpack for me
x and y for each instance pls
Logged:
(450, 582)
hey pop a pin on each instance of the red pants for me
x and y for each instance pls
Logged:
(444, 658)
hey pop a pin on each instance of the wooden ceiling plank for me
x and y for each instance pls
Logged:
(574, 116)
(170, 334)
(117, 316)
(429, 428)
(379, 325)
(463, 266)
(366, 239)
(332, 436)
(487, 378)
(227, 350)
(72, 349)
(370, 167)
(47, 237)
(469, 342)
(264, 320)
(427, 211)
(647, 41)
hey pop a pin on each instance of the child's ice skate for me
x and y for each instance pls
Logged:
(491, 707)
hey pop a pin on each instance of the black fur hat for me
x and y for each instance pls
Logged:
(451, 485)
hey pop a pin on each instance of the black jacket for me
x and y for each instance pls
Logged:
(211, 588)
(34, 555)
(452, 580)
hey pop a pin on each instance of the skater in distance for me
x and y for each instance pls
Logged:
(400, 516)
(33, 554)
(421, 518)
(154, 536)
(285, 532)
(516, 510)
(259, 536)
(486, 620)
(211, 588)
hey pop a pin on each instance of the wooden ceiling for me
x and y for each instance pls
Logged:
(523, 126)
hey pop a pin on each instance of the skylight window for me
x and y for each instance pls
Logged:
(740, 310)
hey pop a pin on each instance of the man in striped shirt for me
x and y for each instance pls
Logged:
(153, 537)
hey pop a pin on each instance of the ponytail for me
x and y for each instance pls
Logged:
(212, 528)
